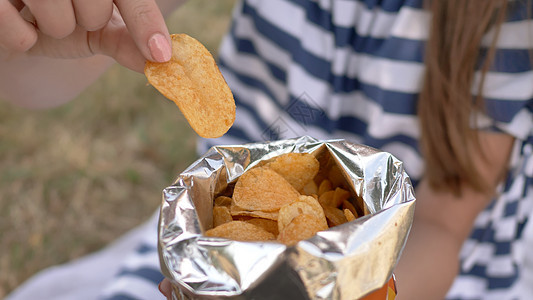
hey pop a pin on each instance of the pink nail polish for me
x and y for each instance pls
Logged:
(159, 48)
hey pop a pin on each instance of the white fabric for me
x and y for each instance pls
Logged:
(84, 278)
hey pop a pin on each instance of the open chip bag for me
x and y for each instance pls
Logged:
(353, 258)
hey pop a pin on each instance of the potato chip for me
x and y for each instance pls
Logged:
(327, 199)
(268, 225)
(310, 188)
(300, 228)
(348, 214)
(297, 168)
(221, 215)
(193, 81)
(263, 189)
(243, 218)
(240, 212)
(349, 206)
(223, 201)
(266, 197)
(340, 196)
(324, 186)
(334, 216)
(240, 231)
(317, 208)
(290, 211)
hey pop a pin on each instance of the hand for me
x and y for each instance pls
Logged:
(165, 288)
(130, 31)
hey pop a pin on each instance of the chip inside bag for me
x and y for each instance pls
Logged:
(288, 219)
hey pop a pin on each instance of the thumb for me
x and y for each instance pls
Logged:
(165, 288)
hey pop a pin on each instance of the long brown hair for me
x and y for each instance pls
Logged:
(446, 101)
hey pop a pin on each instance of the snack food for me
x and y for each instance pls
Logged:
(343, 262)
(193, 81)
(269, 195)
(263, 189)
(240, 231)
(298, 169)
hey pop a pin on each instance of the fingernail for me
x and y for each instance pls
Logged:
(159, 48)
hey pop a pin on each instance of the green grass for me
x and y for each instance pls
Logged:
(76, 177)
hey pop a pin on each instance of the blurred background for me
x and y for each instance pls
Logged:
(74, 178)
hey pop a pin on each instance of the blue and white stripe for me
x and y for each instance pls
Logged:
(353, 69)
(139, 274)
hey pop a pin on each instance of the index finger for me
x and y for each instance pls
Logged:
(147, 27)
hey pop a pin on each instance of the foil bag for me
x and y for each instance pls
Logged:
(344, 262)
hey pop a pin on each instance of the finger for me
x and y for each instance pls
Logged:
(26, 14)
(75, 45)
(15, 33)
(92, 14)
(147, 28)
(54, 17)
(18, 4)
(115, 41)
(165, 288)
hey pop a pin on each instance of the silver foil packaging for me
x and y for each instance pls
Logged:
(344, 262)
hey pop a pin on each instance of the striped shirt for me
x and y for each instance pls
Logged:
(353, 69)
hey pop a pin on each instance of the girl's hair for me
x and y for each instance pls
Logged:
(446, 102)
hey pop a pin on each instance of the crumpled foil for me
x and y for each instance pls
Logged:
(343, 262)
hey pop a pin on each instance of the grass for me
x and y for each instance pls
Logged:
(76, 177)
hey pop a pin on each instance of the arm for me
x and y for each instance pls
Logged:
(48, 71)
(442, 223)
(41, 82)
